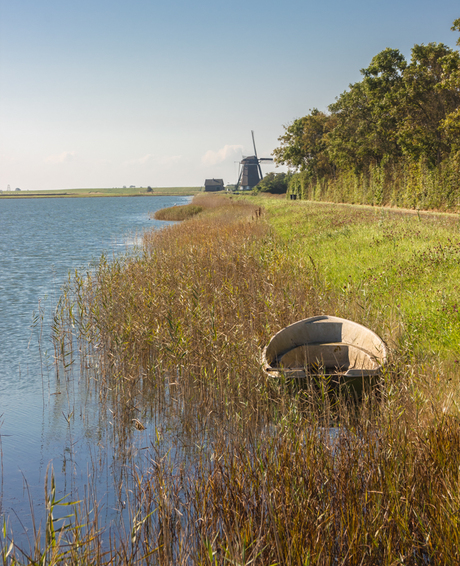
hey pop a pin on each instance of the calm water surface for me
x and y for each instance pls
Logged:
(41, 241)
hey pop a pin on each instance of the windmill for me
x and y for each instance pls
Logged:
(251, 172)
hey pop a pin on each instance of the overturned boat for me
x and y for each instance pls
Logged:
(341, 350)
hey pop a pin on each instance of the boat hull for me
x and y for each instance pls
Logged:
(338, 350)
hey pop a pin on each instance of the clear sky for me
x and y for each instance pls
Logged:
(99, 93)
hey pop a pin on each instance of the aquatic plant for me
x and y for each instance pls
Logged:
(177, 213)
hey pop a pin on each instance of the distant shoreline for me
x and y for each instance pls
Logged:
(103, 193)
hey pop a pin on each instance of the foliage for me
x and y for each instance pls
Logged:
(403, 184)
(456, 27)
(366, 123)
(429, 97)
(400, 115)
(274, 183)
(304, 144)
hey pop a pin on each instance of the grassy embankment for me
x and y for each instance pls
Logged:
(114, 192)
(247, 470)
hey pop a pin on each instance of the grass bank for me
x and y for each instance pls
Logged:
(243, 469)
(397, 266)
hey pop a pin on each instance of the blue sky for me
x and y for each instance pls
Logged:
(141, 92)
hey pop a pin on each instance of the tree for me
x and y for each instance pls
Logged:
(450, 125)
(428, 98)
(365, 114)
(304, 144)
(275, 183)
(456, 27)
(398, 112)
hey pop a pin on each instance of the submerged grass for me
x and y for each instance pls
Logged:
(242, 469)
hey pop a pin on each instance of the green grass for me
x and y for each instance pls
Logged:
(399, 263)
(114, 192)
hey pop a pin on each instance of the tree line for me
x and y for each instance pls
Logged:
(391, 138)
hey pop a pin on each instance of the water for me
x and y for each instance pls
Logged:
(41, 240)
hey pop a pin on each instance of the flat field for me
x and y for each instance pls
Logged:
(114, 192)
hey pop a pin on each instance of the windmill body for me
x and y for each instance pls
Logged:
(251, 172)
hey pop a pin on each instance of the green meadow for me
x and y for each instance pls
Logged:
(244, 468)
(400, 266)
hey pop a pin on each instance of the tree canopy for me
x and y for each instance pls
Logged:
(275, 183)
(400, 111)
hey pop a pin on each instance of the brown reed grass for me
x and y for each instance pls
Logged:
(177, 213)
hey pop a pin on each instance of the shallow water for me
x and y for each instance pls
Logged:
(41, 241)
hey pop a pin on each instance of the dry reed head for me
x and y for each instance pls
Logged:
(202, 297)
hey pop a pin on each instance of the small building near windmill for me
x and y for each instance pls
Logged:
(214, 185)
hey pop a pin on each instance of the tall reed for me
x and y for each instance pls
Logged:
(406, 184)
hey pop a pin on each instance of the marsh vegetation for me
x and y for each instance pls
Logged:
(178, 213)
(241, 468)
